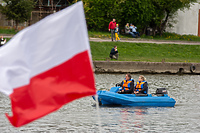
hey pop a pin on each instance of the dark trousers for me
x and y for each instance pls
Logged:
(136, 33)
(132, 34)
(115, 56)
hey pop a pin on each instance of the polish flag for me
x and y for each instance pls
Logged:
(47, 65)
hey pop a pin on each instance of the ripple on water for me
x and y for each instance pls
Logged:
(81, 116)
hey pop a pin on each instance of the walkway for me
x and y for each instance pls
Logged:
(139, 40)
(133, 40)
(6, 35)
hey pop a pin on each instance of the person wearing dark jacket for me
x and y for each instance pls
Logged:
(127, 85)
(141, 86)
(114, 53)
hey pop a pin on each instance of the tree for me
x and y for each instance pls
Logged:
(138, 12)
(100, 12)
(166, 10)
(17, 10)
(142, 13)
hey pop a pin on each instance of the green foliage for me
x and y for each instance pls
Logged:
(100, 12)
(138, 12)
(165, 10)
(142, 13)
(147, 52)
(17, 10)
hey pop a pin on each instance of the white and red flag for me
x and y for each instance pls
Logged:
(47, 65)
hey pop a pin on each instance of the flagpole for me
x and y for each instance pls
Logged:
(98, 114)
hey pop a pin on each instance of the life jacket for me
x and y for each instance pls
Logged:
(126, 84)
(139, 86)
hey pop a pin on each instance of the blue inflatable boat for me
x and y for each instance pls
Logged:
(159, 99)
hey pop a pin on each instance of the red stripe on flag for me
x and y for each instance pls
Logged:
(50, 90)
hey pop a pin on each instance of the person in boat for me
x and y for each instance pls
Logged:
(141, 86)
(127, 85)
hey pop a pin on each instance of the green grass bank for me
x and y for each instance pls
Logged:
(147, 52)
(7, 31)
(142, 51)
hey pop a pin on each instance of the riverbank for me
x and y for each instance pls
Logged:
(146, 67)
(145, 56)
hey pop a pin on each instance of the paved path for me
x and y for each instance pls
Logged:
(139, 40)
(133, 40)
(6, 35)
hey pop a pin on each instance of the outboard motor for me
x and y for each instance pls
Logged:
(161, 91)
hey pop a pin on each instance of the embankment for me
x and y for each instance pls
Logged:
(146, 67)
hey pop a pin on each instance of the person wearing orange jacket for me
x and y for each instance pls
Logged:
(127, 85)
(141, 86)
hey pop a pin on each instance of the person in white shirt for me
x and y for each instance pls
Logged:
(133, 30)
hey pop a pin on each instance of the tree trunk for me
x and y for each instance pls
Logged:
(154, 31)
(13, 24)
(16, 27)
(143, 31)
(163, 25)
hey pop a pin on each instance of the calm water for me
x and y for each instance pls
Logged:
(81, 115)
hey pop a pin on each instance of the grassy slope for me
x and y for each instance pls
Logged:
(7, 31)
(141, 51)
(147, 52)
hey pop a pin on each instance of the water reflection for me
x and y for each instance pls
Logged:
(138, 115)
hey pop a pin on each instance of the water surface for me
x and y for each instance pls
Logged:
(81, 115)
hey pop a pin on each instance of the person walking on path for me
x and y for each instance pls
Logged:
(111, 27)
(114, 53)
(117, 32)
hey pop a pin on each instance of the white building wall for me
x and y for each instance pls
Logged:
(187, 21)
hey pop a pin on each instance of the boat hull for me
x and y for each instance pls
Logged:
(113, 98)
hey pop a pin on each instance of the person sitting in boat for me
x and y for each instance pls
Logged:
(141, 86)
(127, 85)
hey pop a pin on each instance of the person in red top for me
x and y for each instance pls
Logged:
(111, 27)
